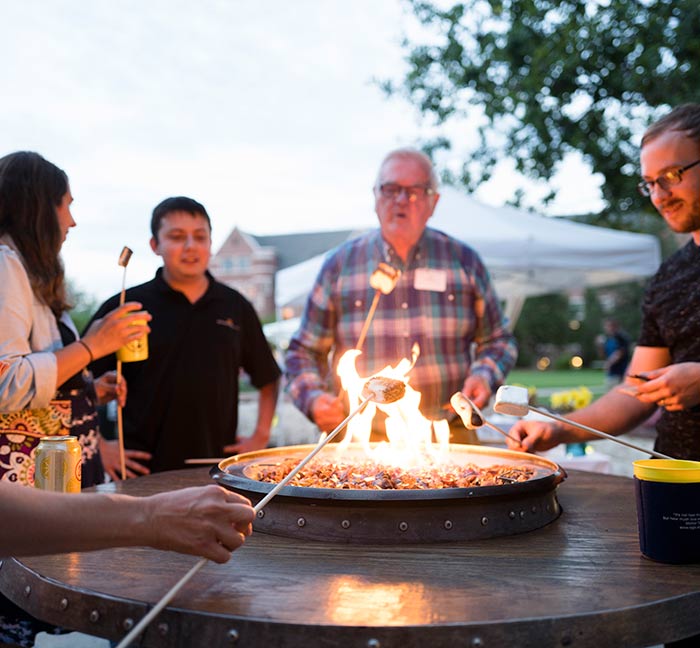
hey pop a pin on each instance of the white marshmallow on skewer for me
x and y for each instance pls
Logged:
(512, 401)
(384, 278)
(472, 416)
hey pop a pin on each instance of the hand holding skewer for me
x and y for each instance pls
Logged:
(514, 401)
(378, 389)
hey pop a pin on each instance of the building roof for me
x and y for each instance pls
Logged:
(295, 248)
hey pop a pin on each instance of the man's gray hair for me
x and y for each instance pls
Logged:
(414, 154)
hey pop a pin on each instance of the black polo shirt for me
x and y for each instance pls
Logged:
(183, 401)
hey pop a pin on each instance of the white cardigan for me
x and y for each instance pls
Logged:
(28, 337)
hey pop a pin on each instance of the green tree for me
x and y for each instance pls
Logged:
(84, 306)
(544, 321)
(553, 77)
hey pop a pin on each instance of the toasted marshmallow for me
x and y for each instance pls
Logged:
(384, 278)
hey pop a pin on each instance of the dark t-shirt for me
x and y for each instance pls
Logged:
(671, 318)
(183, 401)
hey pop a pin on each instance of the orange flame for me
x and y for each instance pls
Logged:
(409, 433)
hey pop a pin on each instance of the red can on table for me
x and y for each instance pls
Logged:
(58, 464)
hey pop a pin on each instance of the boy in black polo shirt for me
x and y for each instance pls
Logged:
(183, 401)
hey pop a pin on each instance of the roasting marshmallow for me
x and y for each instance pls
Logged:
(512, 400)
(470, 417)
(384, 278)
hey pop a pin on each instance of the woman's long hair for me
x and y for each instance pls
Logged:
(31, 188)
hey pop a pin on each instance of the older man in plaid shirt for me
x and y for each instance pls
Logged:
(443, 300)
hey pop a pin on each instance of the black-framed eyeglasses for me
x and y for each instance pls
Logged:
(392, 191)
(665, 180)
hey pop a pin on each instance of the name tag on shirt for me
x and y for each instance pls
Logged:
(430, 279)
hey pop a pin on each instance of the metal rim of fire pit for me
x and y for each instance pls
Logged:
(399, 516)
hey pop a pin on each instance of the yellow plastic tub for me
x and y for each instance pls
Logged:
(675, 471)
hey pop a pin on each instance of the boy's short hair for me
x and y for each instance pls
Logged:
(176, 203)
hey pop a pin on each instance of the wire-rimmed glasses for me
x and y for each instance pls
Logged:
(665, 180)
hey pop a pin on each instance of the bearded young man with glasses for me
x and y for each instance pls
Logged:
(667, 356)
(443, 300)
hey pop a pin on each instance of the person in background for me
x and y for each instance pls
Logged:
(183, 400)
(206, 521)
(616, 351)
(665, 367)
(443, 300)
(44, 388)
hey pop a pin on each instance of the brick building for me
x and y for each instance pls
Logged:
(249, 263)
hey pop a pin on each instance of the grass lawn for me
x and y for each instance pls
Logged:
(594, 379)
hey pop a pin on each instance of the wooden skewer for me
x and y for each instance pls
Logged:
(120, 423)
(368, 320)
(124, 257)
(204, 460)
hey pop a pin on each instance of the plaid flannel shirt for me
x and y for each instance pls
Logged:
(461, 330)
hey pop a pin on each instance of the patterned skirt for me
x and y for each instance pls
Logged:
(71, 412)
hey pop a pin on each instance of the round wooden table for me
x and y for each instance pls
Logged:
(580, 581)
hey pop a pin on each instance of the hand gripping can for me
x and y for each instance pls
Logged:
(58, 464)
(136, 350)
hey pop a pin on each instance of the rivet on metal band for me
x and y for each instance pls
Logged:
(232, 635)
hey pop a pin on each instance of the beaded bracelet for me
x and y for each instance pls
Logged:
(87, 348)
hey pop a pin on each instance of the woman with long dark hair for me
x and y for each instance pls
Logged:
(45, 388)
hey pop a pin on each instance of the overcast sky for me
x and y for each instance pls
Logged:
(263, 111)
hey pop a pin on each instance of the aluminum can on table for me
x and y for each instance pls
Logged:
(58, 464)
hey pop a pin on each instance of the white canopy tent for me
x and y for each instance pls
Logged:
(526, 254)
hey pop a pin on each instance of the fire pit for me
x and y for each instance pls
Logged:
(399, 516)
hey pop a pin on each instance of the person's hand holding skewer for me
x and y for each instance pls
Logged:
(379, 389)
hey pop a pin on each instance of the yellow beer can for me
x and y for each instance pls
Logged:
(58, 464)
(136, 350)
